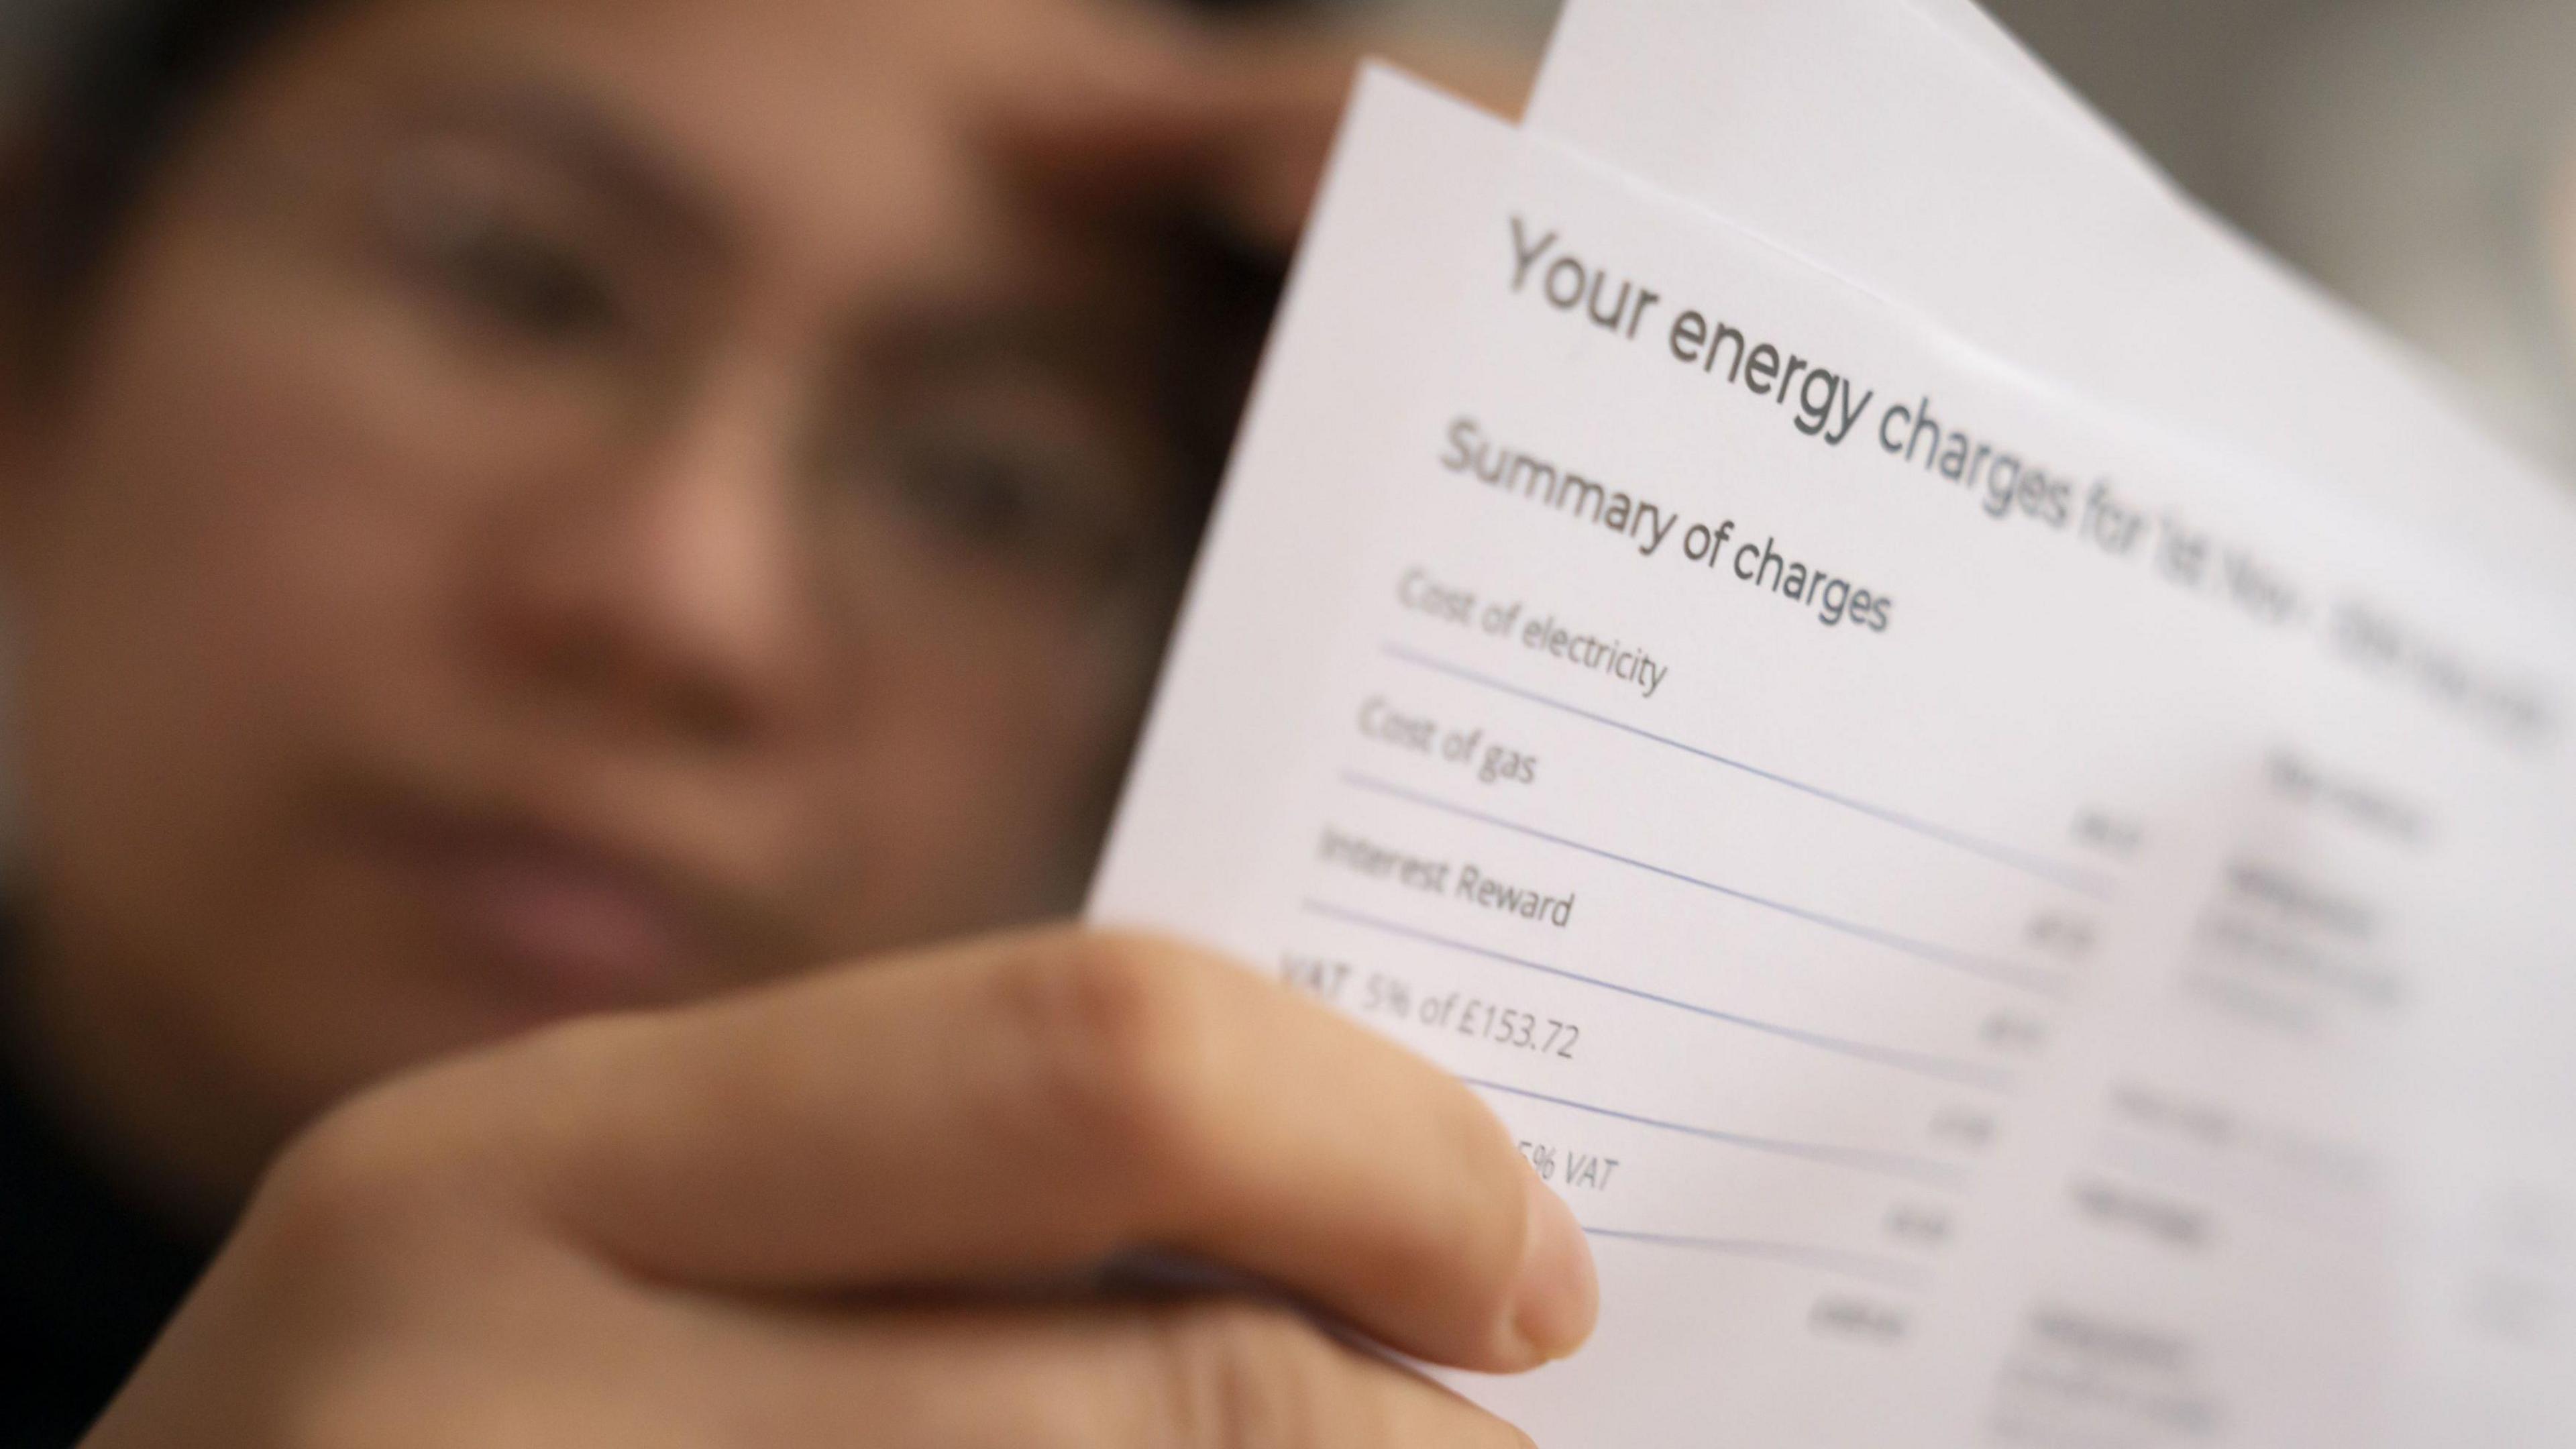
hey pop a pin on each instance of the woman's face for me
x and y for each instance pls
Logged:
(567, 504)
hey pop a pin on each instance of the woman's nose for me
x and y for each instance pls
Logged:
(663, 584)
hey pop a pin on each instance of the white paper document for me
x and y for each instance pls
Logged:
(2009, 924)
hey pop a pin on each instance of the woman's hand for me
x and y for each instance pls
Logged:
(869, 1207)
(1232, 119)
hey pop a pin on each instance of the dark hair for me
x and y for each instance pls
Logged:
(129, 76)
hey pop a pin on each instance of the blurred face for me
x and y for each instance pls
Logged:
(569, 504)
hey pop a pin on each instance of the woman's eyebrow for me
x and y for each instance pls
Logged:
(593, 147)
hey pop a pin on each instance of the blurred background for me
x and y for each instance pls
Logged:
(2417, 157)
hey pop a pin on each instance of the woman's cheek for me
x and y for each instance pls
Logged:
(969, 790)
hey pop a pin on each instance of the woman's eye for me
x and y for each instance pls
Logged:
(527, 283)
(1013, 503)
(984, 496)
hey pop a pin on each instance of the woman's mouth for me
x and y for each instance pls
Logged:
(566, 926)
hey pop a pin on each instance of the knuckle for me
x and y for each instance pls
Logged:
(1121, 1037)
(341, 1174)
(364, 1184)
(1247, 1376)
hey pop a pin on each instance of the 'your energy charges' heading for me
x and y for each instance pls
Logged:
(1825, 403)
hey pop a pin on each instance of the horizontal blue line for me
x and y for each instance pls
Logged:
(1886, 1164)
(1886, 1271)
(2002, 973)
(1971, 1074)
(2075, 878)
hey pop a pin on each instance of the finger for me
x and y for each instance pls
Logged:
(1038, 1104)
(1178, 119)
(1236, 121)
(1216, 1374)
(1281, 98)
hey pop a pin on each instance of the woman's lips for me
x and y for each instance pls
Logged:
(569, 926)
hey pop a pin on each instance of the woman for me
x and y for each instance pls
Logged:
(553, 545)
